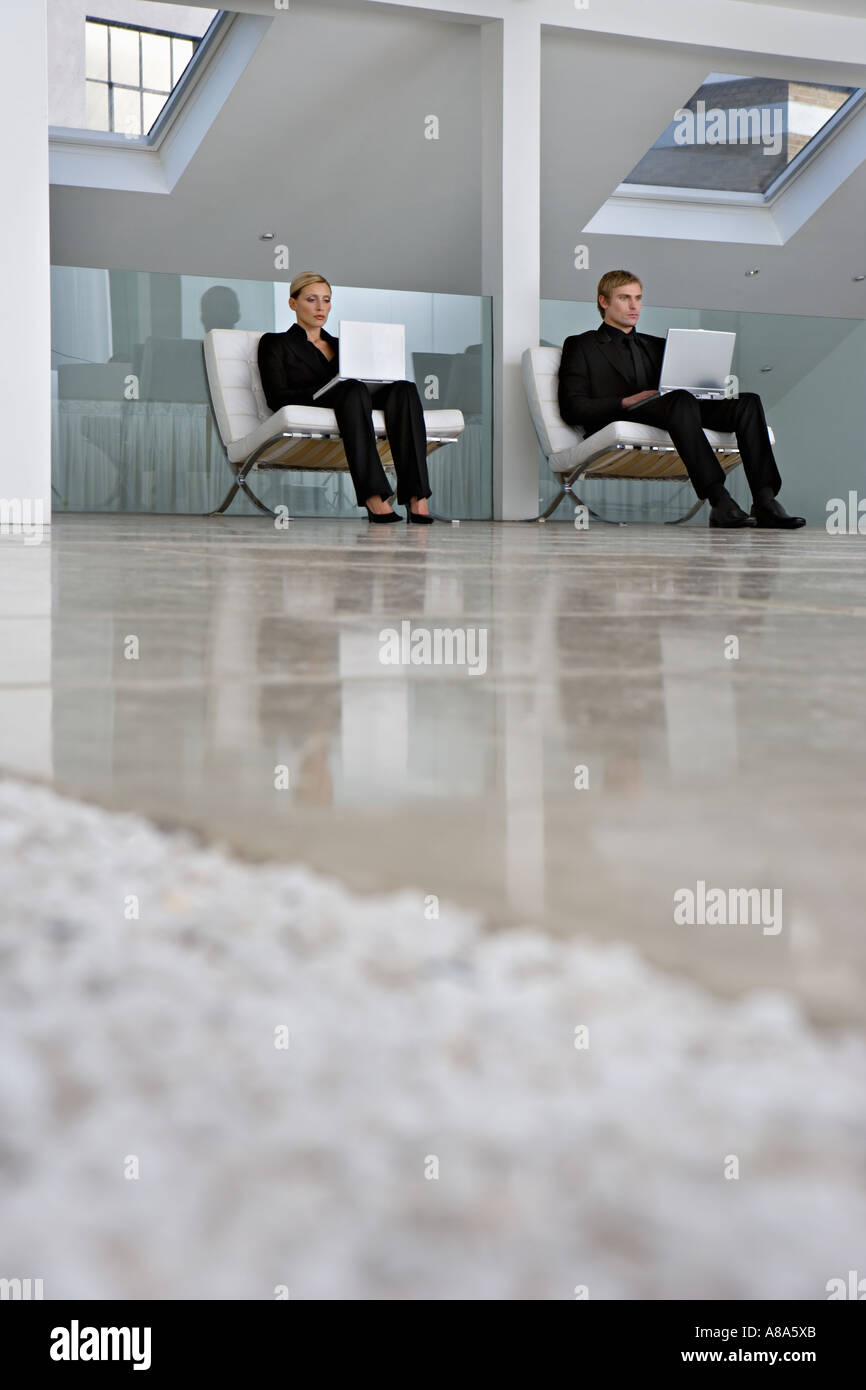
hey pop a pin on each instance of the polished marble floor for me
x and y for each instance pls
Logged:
(656, 708)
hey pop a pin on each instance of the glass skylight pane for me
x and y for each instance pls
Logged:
(738, 134)
(127, 111)
(182, 54)
(124, 56)
(153, 104)
(96, 50)
(96, 112)
(809, 109)
(156, 62)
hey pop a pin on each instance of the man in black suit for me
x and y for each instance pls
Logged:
(613, 374)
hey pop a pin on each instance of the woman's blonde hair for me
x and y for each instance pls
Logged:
(303, 279)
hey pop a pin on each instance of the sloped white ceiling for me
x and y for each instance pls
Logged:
(321, 142)
(604, 102)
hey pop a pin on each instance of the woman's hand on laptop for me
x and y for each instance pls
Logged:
(629, 401)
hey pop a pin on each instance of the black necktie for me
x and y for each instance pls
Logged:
(637, 357)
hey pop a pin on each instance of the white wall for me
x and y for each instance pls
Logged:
(25, 381)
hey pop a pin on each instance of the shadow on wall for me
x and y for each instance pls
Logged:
(164, 368)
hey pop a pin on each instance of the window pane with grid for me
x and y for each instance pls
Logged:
(183, 51)
(96, 50)
(156, 62)
(96, 106)
(152, 103)
(127, 110)
(124, 56)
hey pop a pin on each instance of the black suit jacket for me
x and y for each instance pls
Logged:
(592, 379)
(291, 368)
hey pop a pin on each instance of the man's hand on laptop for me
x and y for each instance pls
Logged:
(629, 401)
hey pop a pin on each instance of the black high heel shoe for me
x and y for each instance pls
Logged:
(418, 518)
(382, 518)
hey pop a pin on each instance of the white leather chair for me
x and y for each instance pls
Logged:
(623, 449)
(297, 436)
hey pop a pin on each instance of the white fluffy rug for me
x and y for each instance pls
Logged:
(411, 1042)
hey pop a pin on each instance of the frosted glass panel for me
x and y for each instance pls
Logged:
(809, 372)
(136, 432)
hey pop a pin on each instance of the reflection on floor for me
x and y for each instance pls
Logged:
(635, 722)
(259, 650)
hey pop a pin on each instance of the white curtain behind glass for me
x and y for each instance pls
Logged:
(80, 316)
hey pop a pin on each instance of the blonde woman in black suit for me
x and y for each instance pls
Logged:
(293, 365)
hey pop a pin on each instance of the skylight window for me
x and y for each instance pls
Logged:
(130, 74)
(115, 73)
(741, 134)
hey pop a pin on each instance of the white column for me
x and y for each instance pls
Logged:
(25, 339)
(511, 250)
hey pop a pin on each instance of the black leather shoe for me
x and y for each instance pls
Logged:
(418, 518)
(773, 515)
(729, 514)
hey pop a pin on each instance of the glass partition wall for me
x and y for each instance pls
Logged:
(133, 428)
(809, 373)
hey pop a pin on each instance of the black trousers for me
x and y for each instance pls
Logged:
(684, 418)
(353, 403)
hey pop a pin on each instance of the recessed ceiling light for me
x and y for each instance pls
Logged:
(858, 278)
(766, 369)
(753, 272)
(266, 236)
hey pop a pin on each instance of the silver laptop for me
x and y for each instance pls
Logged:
(697, 360)
(374, 353)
